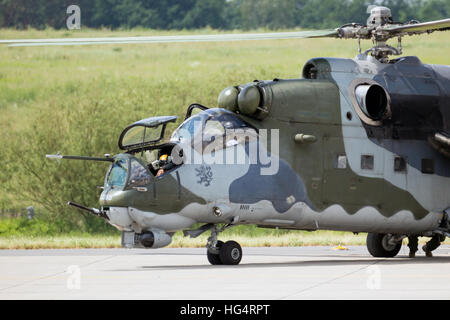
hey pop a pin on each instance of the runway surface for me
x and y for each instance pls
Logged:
(264, 273)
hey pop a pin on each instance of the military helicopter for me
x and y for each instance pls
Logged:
(358, 145)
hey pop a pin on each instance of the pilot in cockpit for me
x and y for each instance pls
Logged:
(164, 164)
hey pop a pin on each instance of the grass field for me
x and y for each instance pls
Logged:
(263, 238)
(78, 99)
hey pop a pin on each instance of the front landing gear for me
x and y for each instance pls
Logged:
(218, 252)
(228, 253)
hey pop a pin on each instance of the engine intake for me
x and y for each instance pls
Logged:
(155, 239)
(373, 101)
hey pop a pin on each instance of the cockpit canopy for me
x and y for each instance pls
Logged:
(142, 162)
(127, 171)
(144, 132)
(208, 124)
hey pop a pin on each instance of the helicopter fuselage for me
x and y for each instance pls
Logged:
(356, 152)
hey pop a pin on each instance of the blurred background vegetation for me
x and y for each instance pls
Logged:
(77, 100)
(217, 14)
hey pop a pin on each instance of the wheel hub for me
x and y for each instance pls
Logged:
(387, 243)
(235, 254)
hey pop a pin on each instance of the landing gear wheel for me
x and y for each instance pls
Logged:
(214, 258)
(230, 253)
(380, 246)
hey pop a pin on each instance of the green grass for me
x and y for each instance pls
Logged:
(273, 239)
(249, 237)
(21, 233)
(263, 239)
(295, 238)
(38, 234)
(78, 99)
(59, 242)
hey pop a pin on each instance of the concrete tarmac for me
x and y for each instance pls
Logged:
(184, 273)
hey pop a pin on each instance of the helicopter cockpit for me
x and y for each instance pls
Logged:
(208, 125)
(127, 172)
(203, 127)
(143, 140)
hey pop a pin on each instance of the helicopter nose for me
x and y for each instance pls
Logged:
(111, 197)
(119, 217)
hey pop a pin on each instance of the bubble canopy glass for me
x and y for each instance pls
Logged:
(144, 132)
(211, 122)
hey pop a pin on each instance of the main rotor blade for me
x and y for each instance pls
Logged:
(437, 25)
(169, 39)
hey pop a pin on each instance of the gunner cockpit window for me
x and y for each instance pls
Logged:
(117, 175)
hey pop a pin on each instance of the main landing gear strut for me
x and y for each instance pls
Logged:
(219, 252)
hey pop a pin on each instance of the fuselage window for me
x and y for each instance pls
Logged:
(399, 164)
(367, 162)
(340, 161)
(428, 166)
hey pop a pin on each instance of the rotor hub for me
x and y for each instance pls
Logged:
(379, 16)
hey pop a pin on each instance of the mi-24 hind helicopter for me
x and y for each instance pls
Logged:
(359, 145)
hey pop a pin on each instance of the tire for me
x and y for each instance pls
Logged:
(230, 253)
(214, 258)
(376, 244)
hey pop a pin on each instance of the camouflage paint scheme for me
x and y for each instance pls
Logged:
(309, 192)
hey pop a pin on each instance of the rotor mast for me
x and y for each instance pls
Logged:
(380, 27)
(374, 30)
